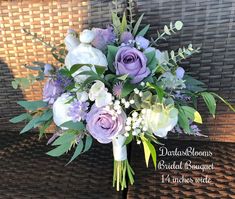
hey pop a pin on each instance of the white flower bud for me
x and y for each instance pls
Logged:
(138, 142)
(127, 104)
(87, 36)
(135, 114)
(127, 128)
(136, 90)
(132, 101)
(126, 134)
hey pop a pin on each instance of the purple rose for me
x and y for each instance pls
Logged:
(103, 37)
(125, 37)
(143, 43)
(131, 61)
(51, 91)
(103, 125)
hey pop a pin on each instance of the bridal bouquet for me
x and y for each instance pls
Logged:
(116, 86)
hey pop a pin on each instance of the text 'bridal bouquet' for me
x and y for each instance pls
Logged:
(115, 86)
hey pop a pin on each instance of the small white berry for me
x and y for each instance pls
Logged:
(117, 102)
(126, 134)
(123, 100)
(136, 90)
(138, 142)
(141, 94)
(127, 104)
(135, 114)
(127, 128)
(144, 128)
(119, 111)
(134, 133)
(142, 84)
(132, 101)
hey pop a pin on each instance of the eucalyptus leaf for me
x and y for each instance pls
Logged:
(60, 150)
(20, 118)
(77, 151)
(144, 31)
(79, 126)
(88, 143)
(210, 102)
(136, 27)
(32, 105)
(179, 25)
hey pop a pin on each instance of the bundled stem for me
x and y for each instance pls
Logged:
(122, 169)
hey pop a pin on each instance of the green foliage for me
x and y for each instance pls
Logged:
(20, 118)
(112, 51)
(149, 150)
(136, 27)
(32, 105)
(32, 124)
(124, 23)
(210, 102)
(192, 114)
(152, 61)
(77, 151)
(79, 126)
(144, 31)
(224, 101)
(127, 88)
(158, 89)
(168, 30)
(193, 85)
(128, 139)
(116, 23)
(183, 121)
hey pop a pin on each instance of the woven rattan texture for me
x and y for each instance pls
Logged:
(48, 18)
(211, 25)
(148, 182)
(27, 172)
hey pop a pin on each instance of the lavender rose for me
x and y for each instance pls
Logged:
(104, 125)
(131, 61)
(51, 91)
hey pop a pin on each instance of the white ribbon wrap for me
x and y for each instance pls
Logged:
(119, 149)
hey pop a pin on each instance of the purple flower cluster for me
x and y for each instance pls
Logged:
(62, 80)
(103, 37)
(78, 110)
(51, 91)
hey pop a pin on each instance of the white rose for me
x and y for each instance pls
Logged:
(87, 36)
(60, 110)
(99, 94)
(85, 54)
(71, 41)
(160, 120)
(82, 96)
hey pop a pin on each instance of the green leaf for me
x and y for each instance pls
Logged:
(112, 51)
(43, 128)
(192, 114)
(166, 30)
(183, 121)
(36, 68)
(20, 118)
(124, 23)
(47, 115)
(60, 150)
(158, 89)
(136, 27)
(88, 143)
(128, 139)
(30, 125)
(210, 102)
(143, 31)
(32, 105)
(79, 126)
(123, 77)
(14, 84)
(77, 151)
(179, 25)
(116, 23)
(153, 154)
(224, 101)
(66, 137)
(127, 88)
(147, 152)
(152, 61)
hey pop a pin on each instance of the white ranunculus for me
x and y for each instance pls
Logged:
(82, 96)
(60, 110)
(99, 94)
(119, 149)
(85, 54)
(71, 41)
(87, 36)
(160, 120)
